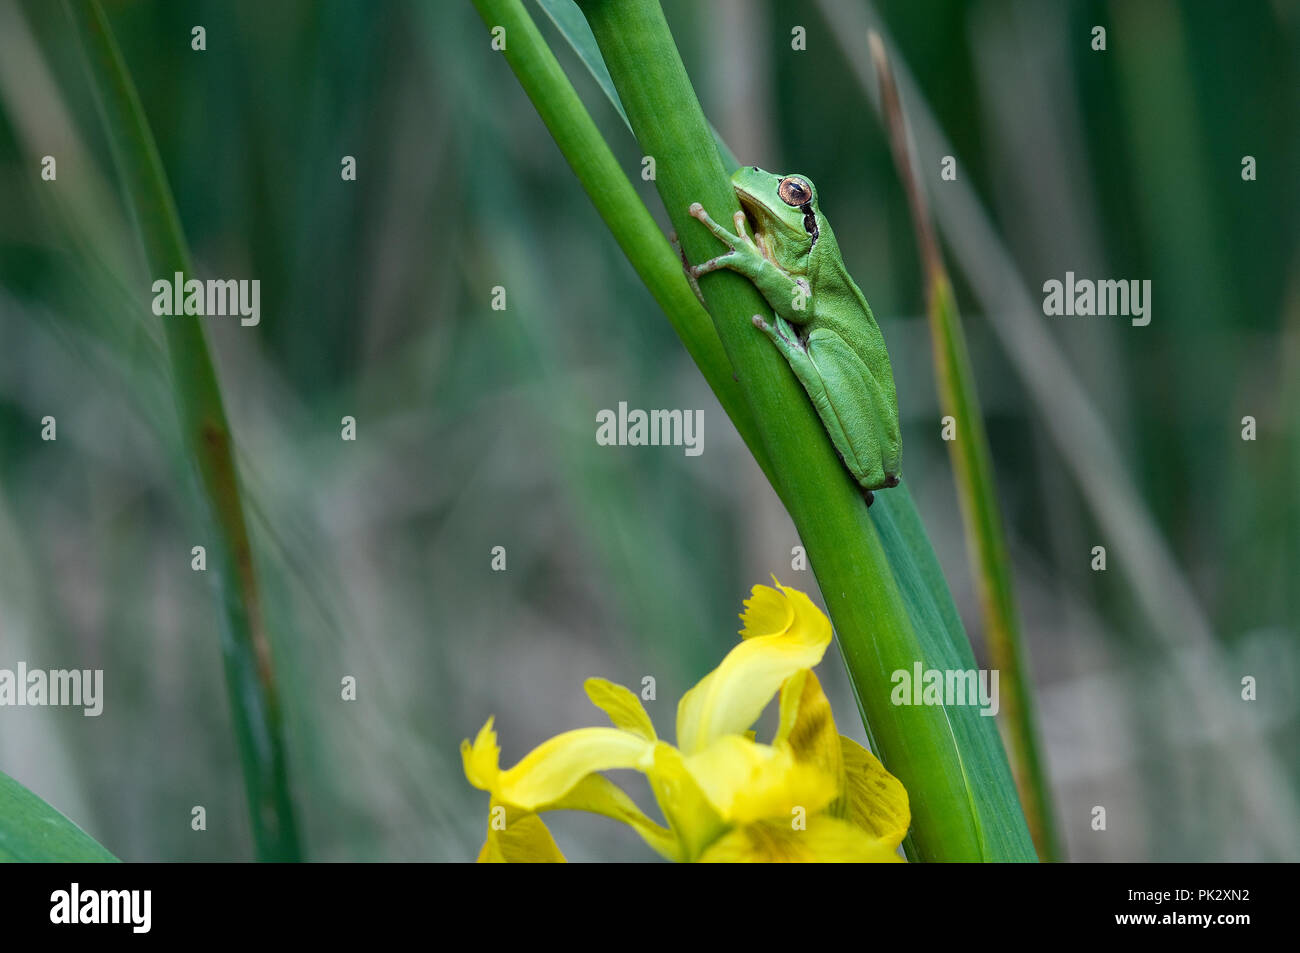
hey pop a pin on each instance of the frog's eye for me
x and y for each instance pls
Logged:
(794, 191)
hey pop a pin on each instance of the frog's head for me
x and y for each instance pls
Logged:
(782, 208)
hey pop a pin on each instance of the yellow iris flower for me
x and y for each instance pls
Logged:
(810, 795)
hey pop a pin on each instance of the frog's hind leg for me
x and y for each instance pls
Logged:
(802, 361)
(783, 336)
(858, 408)
(854, 438)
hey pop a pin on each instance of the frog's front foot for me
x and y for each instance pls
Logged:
(741, 237)
(742, 251)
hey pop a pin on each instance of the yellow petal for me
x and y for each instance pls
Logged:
(551, 770)
(692, 818)
(597, 794)
(745, 781)
(560, 774)
(827, 839)
(482, 758)
(622, 706)
(807, 726)
(767, 612)
(877, 801)
(784, 632)
(516, 836)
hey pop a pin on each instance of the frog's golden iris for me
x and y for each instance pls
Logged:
(794, 191)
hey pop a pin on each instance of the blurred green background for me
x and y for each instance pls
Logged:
(476, 428)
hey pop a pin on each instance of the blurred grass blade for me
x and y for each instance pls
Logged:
(972, 463)
(250, 678)
(963, 800)
(1160, 589)
(32, 831)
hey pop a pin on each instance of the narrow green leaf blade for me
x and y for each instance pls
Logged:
(568, 19)
(32, 831)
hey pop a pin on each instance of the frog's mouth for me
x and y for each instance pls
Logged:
(759, 224)
(755, 214)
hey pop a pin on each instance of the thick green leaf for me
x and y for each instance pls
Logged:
(972, 465)
(1000, 825)
(31, 830)
(877, 571)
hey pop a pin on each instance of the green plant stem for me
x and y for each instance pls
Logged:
(972, 463)
(954, 815)
(969, 749)
(246, 650)
(618, 204)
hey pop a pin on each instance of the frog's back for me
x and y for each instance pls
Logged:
(839, 305)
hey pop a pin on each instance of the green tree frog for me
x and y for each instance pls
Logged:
(823, 326)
